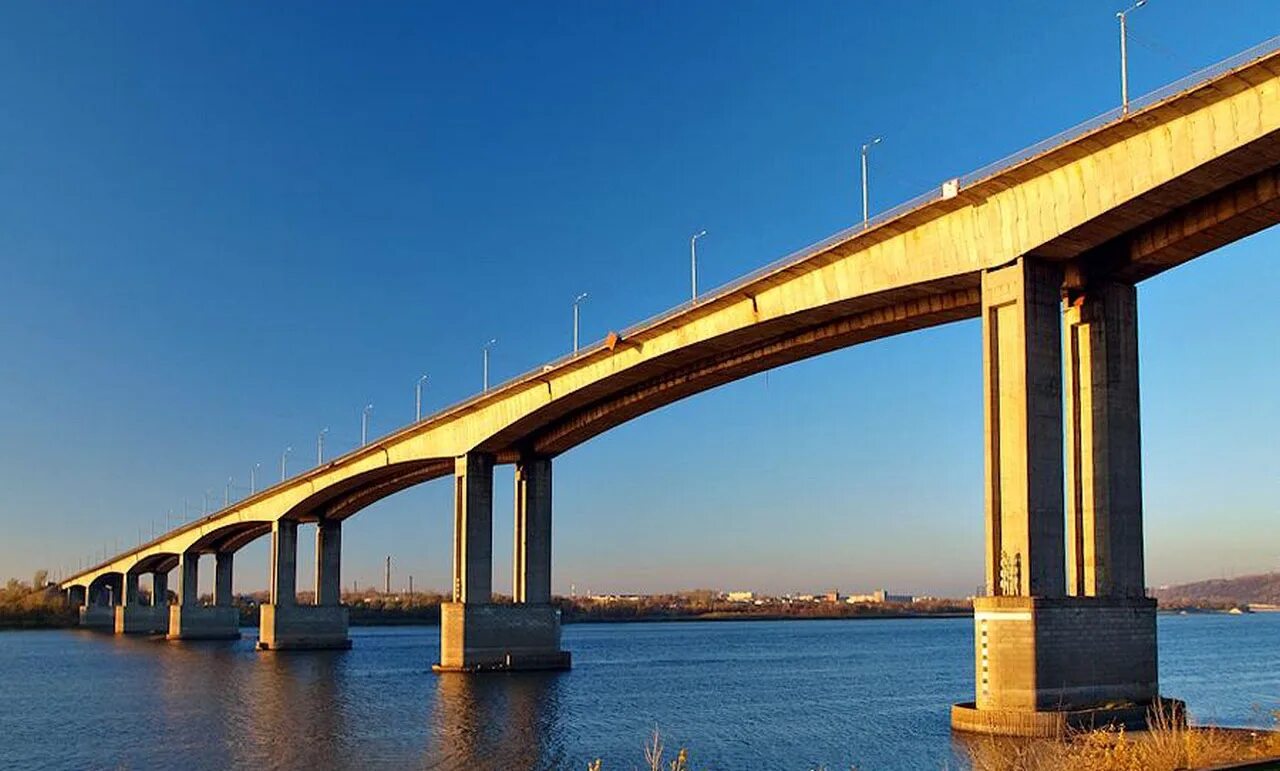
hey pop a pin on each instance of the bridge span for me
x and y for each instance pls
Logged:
(1046, 247)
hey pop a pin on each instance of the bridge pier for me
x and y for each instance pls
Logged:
(283, 623)
(188, 620)
(476, 634)
(132, 617)
(102, 595)
(1052, 654)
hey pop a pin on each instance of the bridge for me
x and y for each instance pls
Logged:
(1047, 247)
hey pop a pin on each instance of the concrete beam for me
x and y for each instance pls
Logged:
(1104, 448)
(224, 563)
(329, 563)
(492, 637)
(159, 589)
(192, 622)
(1022, 387)
(284, 562)
(189, 579)
(532, 570)
(473, 528)
(131, 588)
(303, 627)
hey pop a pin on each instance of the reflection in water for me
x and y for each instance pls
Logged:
(495, 720)
(297, 716)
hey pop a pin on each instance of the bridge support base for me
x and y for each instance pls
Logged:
(200, 623)
(1052, 724)
(141, 619)
(1043, 665)
(482, 637)
(303, 627)
(101, 617)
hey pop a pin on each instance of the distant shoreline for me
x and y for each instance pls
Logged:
(366, 619)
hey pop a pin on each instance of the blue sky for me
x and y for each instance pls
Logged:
(224, 227)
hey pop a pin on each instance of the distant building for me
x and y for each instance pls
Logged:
(831, 596)
(879, 597)
(740, 596)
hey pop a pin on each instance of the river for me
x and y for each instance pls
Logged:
(739, 695)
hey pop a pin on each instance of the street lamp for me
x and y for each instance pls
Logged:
(364, 423)
(417, 397)
(253, 478)
(576, 302)
(1124, 54)
(693, 261)
(320, 446)
(226, 493)
(487, 346)
(283, 457)
(866, 209)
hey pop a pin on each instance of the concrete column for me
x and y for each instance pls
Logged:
(329, 563)
(159, 589)
(473, 528)
(1022, 386)
(130, 588)
(284, 562)
(1104, 447)
(1046, 662)
(476, 634)
(222, 578)
(283, 623)
(97, 612)
(77, 596)
(188, 579)
(187, 619)
(133, 617)
(532, 572)
(116, 586)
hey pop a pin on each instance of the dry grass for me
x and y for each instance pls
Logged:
(1167, 746)
(653, 757)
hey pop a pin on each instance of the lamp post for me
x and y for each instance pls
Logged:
(364, 423)
(487, 346)
(576, 302)
(417, 397)
(320, 446)
(253, 478)
(693, 261)
(284, 456)
(226, 493)
(1124, 54)
(866, 208)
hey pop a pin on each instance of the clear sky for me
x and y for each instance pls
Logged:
(226, 226)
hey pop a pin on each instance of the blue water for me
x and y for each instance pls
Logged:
(739, 695)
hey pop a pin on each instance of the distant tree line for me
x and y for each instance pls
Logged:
(35, 604)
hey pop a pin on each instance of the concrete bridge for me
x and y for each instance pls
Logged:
(1047, 247)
